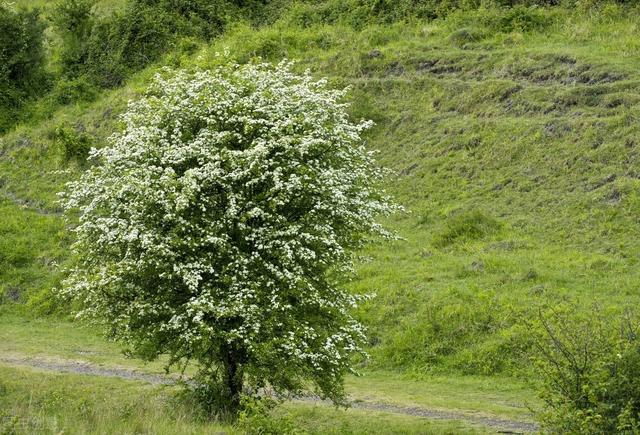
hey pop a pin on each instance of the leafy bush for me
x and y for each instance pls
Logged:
(73, 20)
(108, 49)
(75, 144)
(589, 367)
(359, 13)
(522, 19)
(511, 3)
(258, 418)
(203, 18)
(22, 73)
(68, 91)
(124, 43)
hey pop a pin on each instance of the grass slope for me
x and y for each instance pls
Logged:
(516, 151)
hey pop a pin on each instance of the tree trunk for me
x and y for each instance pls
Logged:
(233, 380)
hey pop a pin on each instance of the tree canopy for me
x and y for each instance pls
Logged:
(219, 226)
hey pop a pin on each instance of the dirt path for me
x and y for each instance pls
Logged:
(84, 368)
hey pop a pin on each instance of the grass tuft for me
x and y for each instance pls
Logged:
(466, 225)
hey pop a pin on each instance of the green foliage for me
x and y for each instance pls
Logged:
(107, 49)
(589, 369)
(359, 13)
(67, 91)
(522, 19)
(74, 142)
(22, 60)
(258, 418)
(73, 21)
(123, 43)
(202, 18)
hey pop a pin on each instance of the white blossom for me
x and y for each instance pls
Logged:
(225, 215)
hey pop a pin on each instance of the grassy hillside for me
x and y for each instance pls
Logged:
(514, 135)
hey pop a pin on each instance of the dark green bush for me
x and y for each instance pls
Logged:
(358, 13)
(22, 73)
(124, 43)
(108, 49)
(203, 18)
(522, 18)
(510, 3)
(74, 143)
(68, 91)
(73, 20)
(590, 371)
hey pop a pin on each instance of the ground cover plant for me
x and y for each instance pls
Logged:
(512, 132)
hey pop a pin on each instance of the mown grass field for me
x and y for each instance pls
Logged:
(39, 402)
(515, 148)
(43, 399)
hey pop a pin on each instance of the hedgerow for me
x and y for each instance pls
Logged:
(22, 60)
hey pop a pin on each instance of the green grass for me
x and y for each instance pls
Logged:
(46, 403)
(473, 395)
(32, 246)
(56, 340)
(46, 338)
(314, 419)
(514, 154)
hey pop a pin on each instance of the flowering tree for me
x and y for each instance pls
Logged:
(218, 226)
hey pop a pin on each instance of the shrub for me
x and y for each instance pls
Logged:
(73, 20)
(68, 91)
(75, 144)
(589, 368)
(203, 18)
(359, 13)
(108, 49)
(522, 19)
(22, 73)
(258, 418)
(126, 42)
